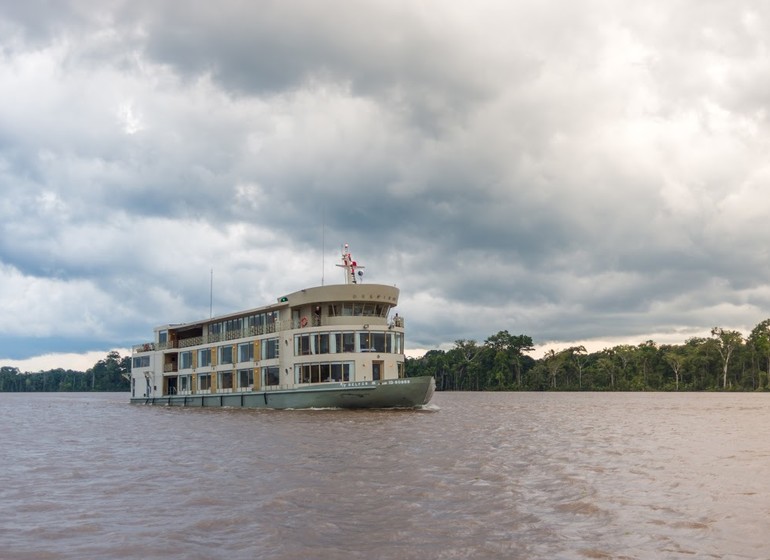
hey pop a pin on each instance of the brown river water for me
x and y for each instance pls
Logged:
(476, 475)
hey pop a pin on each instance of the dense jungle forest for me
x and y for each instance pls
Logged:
(724, 361)
(105, 375)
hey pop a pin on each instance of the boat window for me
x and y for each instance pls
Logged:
(371, 341)
(373, 310)
(346, 342)
(225, 355)
(322, 372)
(301, 345)
(225, 381)
(204, 357)
(378, 341)
(140, 362)
(321, 343)
(270, 349)
(399, 346)
(245, 379)
(185, 360)
(340, 372)
(359, 309)
(246, 352)
(204, 382)
(271, 374)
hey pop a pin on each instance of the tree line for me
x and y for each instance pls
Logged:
(108, 374)
(726, 360)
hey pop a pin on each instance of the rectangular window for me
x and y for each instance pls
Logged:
(377, 341)
(162, 337)
(245, 379)
(345, 342)
(364, 342)
(246, 352)
(315, 373)
(225, 355)
(271, 374)
(225, 381)
(140, 362)
(204, 357)
(302, 345)
(184, 383)
(322, 373)
(372, 341)
(185, 360)
(341, 372)
(204, 382)
(322, 343)
(270, 349)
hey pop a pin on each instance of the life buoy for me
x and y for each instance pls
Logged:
(303, 322)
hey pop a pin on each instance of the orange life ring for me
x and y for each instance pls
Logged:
(303, 322)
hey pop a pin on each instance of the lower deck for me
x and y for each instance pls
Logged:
(392, 393)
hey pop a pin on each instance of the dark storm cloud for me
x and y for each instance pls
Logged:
(574, 171)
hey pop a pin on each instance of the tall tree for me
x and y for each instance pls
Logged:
(727, 342)
(577, 355)
(554, 361)
(465, 355)
(760, 342)
(675, 357)
(508, 350)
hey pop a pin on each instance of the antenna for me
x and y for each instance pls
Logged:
(350, 266)
(323, 245)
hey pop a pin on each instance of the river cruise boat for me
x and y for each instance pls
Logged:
(335, 346)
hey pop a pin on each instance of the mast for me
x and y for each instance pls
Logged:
(350, 266)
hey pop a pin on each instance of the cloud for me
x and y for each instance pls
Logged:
(572, 172)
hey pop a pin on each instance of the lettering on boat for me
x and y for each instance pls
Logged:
(375, 383)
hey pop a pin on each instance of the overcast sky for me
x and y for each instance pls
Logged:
(594, 170)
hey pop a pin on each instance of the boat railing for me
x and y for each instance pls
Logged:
(291, 324)
(193, 341)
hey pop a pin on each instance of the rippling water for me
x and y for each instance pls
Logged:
(478, 475)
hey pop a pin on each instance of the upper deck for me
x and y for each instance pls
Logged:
(335, 305)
